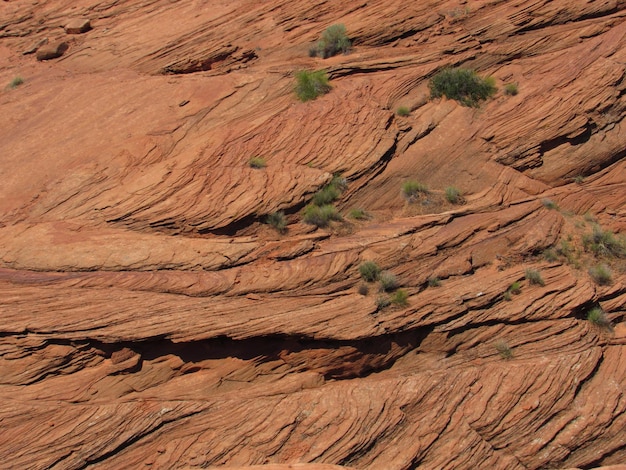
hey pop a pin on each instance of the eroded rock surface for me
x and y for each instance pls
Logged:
(149, 316)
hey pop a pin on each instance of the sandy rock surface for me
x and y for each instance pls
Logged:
(150, 318)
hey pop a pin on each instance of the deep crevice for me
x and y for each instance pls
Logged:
(582, 138)
(344, 359)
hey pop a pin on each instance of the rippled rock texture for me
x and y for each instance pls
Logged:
(150, 318)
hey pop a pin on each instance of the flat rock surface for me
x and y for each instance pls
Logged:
(151, 318)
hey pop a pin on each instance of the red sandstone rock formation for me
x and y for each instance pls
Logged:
(150, 319)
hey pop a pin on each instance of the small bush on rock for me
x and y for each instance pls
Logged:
(411, 189)
(311, 84)
(434, 281)
(550, 255)
(369, 271)
(504, 350)
(17, 81)
(597, 317)
(359, 214)
(604, 243)
(383, 302)
(510, 89)
(278, 221)
(462, 85)
(400, 298)
(453, 195)
(326, 195)
(601, 274)
(257, 163)
(534, 277)
(515, 288)
(320, 216)
(333, 41)
(403, 111)
(388, 281)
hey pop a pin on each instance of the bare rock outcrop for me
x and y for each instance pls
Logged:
(151, 317)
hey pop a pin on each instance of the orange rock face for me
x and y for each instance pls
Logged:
(151, 318)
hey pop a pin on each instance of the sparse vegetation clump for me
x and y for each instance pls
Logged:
(510, 89)
(334, 40)
(597, 317)
(567, 250)
(359, 214)
(363, 289)
(328, 194)
(549, 203)
(257, 163)
(400, 298)
(331, 192)
(434, 281)
(382, 302)
(604, 243)
(320, 212)
(369, 271)
(453, 195)
(504, 350)
(534, 277)
(17, 81)
(320, 216)
(515, 288)
(403, 111)
(278, 221)
(388, 281)
(462, 85)
(311, 84)
(601, 274)
(550, 255)
(411, 189)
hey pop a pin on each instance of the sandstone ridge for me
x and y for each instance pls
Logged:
(151, 318)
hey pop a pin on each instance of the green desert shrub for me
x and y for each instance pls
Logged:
(383, 302)
(411, 189)
(515, 288)
(534, 277)
(604, 243)
(403, 111)
(400, 298)
(257, 162)
(597, 317)
(511, 89)
(462, 85)
(359, 214)
(278, 221)
(434, 281)
(311, 84)
(388, 281)
(453, 195)
(17, 81)
(588, 216)
(334, 40)
(320, 216)
(550, 255)
(601, 274)
(326, 195)
(504, 350)
(369, 271)
(549, 203)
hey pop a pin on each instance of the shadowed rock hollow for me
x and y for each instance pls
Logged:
(149, 318)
